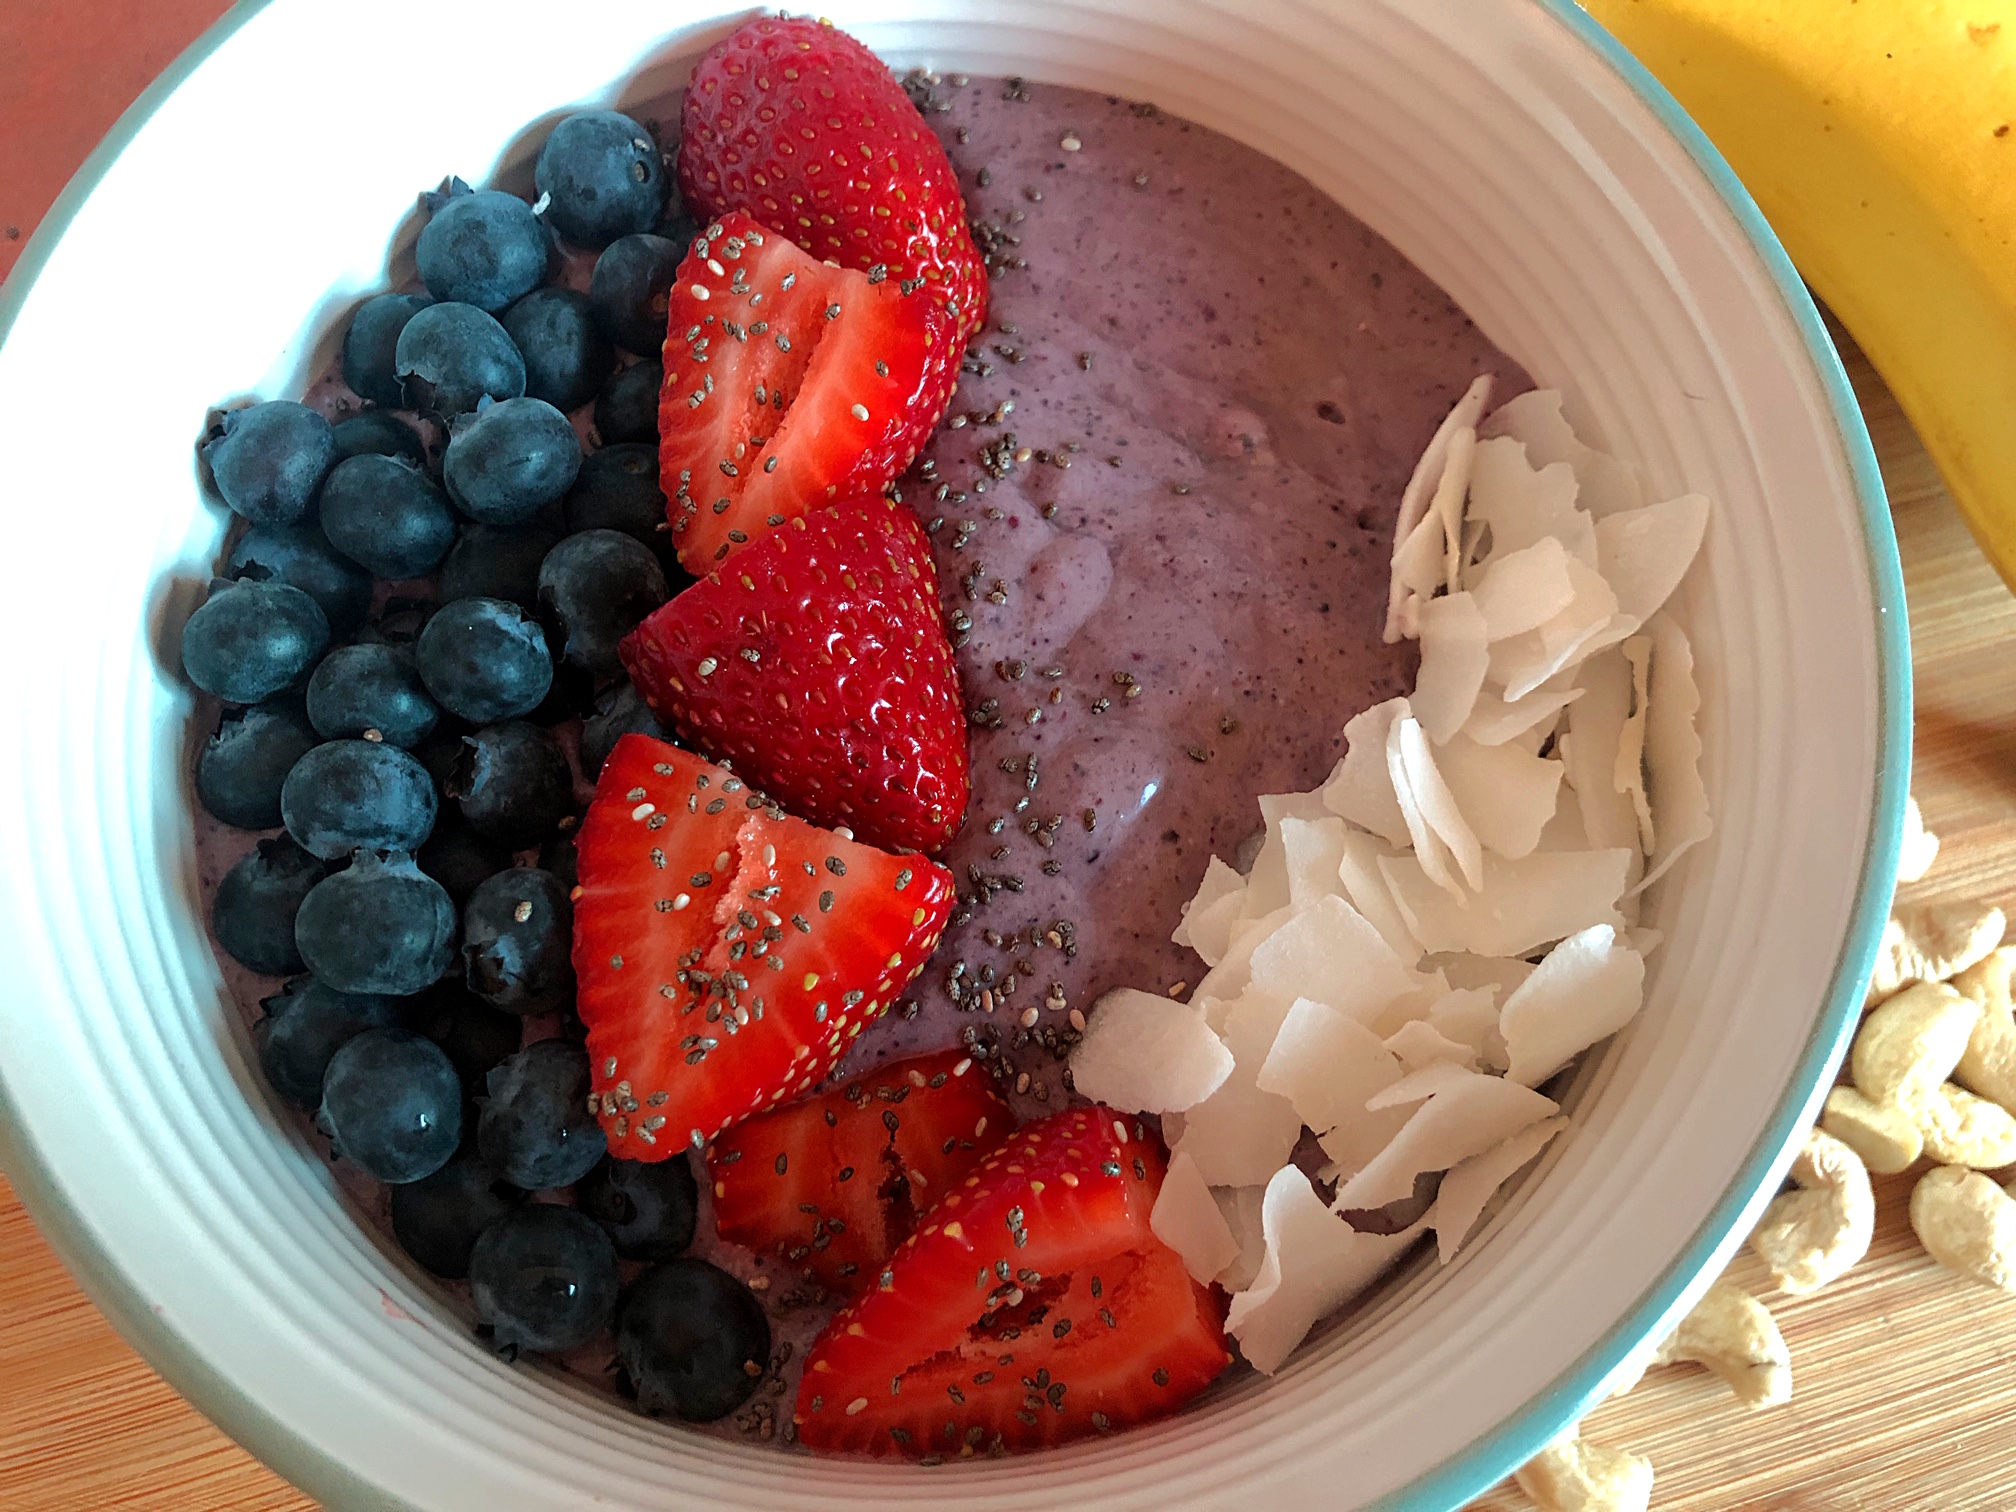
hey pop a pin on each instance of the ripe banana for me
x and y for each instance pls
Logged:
(1879, 138)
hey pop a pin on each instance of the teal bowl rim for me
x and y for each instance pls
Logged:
(1488, 1460)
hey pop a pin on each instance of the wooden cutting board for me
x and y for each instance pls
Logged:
(1905, 1377)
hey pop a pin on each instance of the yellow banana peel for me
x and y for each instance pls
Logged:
(1879, 138)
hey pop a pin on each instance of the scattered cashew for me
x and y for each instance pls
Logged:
(1734, 1335)
(1989, 1064)
(1920, 848)
(1931, 943)
(1884, 1135)
(1968, 1224)
(1911, 1043)
(1964, 1130)
(1809, 1237)
(1573, 1475)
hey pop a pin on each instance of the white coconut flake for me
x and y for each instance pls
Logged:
(1464, 1114)
(1501, 973)
(1314, 1264)
(1565, 831)
(1470, 1184)
(1241, 1208)
(1522, 502)
(1147, 1054)
(1454, 657)
(1419, 1044)
(1358, 871)
(1595, 733)
(1447, 507)
(1494, 720)
(1329, 1066)
(1361, 786)
(1330, 952)
(1521, 663)
(1919, 850)
(1589, 986)
(1414, 501)
(1419, 779)
(1186, 1218)
(1314, 852)
(1505, 794)
(1224, 982)
(1239, 1135)
(1524, 589)
(1607, 486)
(1206, 925)
(1629, 775)
(1522, 905)
(1468, 1016)
(1673, 750)
(1643, 553)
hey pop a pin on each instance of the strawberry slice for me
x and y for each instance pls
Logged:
(817, 663)
(1033, 1306)
(726, 953)
(835, 1183)
(799, 125)
(789, 383)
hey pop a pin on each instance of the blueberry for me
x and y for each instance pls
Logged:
(602, 178)
(459, 858)
(475, 1035)
(399, 621)
(391, 1105)
(482, 247)
(627, 407)
(451, 355)
(618, 712)
(544, 1279)
(617, 489)
(629, 290)
(512, 783)
(249, 640)
(378, 926)
(566, 354)
(254, 912)
(240, 768)
(300, 556)
(384, 513)
(691, 1340)
(594, 588)
(536, 1130)
(497, 561)
(349, 795)
(268, 459)
(371, 342)
(506, 461)
(372, 691)
(484, 659)
(378, 433)
(438, 1218)
(647, 1210)
(517, 932)
(306, 1023)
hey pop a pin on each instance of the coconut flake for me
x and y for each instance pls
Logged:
(1358, 871)
(1454, 656)
(1314, 1263)
(1494, 720)
(1606, 485)
(1468, 1016)
(1499, 973)
(1186, 1218)
(1589, 986)
(1329, 1066)
(1360, 788)
(1628, 777)
(1589, 752)
(1239, 1135)
(1330, 952)
(1920, 847)
(1644, 553)
(1673, 750)
(1506, 794)
(1522, 905)
(1521, 663)
(1241, 1209)
(1224, 982)
(1313, 850)
(1434, 823)
(1421, 487)
(1419, 1044)
(1146, 1054)
(1463, 1114)
(1206, 925)
(1524, 589)
(1470, 1184)
(1523, 503)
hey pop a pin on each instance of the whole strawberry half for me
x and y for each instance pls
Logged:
(726, 953)
(835, 1183)
(801, 126)
(789, 383)
(1034, 1305)
(816, 662)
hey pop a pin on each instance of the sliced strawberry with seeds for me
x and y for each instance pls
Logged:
(1034, 1305)
(834, 1183)
(816, 661)
(798, 124)
(726, 953)
(789, 383)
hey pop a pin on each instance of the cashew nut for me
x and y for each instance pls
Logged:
(1968, 1224)
(1811, 1236)
(1920, 848)
(1884, 1135)
(1931, 943)
(1911, 1044)
(1734, 1335)
(1989, 1064)
(1964, 1130)
(1573, 1475)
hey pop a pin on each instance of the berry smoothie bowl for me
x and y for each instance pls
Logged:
(878, 774)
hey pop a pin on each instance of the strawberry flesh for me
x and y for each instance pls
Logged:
(1033, 1306)
(727, 954)
(789, 383)
(817, 663)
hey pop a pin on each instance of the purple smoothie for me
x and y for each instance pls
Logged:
(1161, 510)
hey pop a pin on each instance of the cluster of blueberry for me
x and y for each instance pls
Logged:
(408, 650)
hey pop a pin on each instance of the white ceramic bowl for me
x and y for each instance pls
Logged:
(213, 247)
